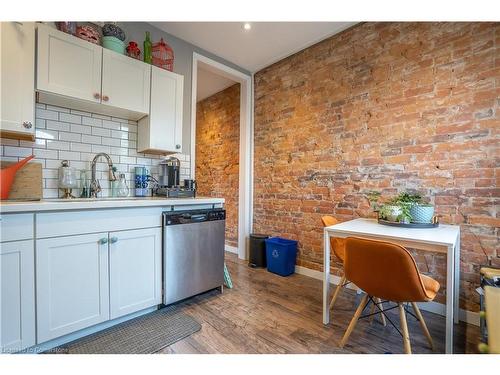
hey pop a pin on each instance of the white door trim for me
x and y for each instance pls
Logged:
(245, 203)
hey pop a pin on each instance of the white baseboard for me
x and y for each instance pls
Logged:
(434, 307)
(231, 249)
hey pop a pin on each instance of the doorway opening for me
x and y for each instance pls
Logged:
(221, 139)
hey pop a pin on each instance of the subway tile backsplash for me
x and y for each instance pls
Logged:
(67, 134)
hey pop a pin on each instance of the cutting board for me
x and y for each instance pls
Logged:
(28, 182)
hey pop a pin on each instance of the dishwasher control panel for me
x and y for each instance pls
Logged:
(193, 216)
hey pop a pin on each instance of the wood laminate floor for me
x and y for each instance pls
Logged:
(267, 313)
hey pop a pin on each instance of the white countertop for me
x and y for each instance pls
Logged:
(89, 204)
(443, 234)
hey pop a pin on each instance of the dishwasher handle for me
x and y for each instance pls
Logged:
(199, 217)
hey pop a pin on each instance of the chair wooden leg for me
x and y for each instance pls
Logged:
(422, 324)
(354, 320)
(337, 291)
(404, 329)
(382, 316)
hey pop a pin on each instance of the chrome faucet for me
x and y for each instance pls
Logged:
(95, 186)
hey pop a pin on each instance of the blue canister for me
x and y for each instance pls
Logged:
(141, 182)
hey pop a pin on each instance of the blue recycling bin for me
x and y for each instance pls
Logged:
(281, 255)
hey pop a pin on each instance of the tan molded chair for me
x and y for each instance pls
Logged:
(388, 271)
(338, 247)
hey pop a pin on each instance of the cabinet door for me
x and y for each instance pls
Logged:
(17, 108)
(161, 132)
(67, 65)
(17, 296)
(72, 284)
(134, 270)
(126, 82)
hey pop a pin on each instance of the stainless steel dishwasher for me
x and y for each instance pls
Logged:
(193, 252)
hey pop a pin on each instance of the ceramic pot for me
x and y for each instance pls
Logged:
(111, 29)
(114, 44)
(393, 213)
(422, 213)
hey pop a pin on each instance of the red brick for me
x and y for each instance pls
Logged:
(217, 153)
(360, 98)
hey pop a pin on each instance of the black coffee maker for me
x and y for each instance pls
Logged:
(169, 172)
(169, 181)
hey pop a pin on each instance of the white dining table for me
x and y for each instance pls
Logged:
(442, 239)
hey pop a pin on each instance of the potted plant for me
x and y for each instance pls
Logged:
(422, 212)
(399, 208)
(389, 212)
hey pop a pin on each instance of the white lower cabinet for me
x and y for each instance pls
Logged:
(134, 270)
(83, 280)
(72, 284)
(17, 296)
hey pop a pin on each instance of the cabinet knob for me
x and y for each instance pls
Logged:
(27, 124)
(105, 98)
(113, 239)
(177, 146)
(97, 95)
(102, 241)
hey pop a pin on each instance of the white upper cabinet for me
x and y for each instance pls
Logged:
(71, 283)
(126, 82)
(134, 270)
(68, 66)
(17, 296)
(161, 131)
(17, 83)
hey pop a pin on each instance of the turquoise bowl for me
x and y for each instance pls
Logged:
(422, 213)
(114, 44)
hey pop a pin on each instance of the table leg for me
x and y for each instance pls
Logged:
(326, 276)
(450, 300)
(456, 307)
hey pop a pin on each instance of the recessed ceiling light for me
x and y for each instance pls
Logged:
(247, 26)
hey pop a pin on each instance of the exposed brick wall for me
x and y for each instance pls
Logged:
(217, 152)
(386, 107)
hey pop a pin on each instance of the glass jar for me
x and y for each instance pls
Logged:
(122, 189)
(67, 179)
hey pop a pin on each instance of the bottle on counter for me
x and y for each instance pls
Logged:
(84, 184)
(147, 49)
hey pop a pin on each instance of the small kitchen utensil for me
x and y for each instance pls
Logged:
(66, 27)
(133, 50)
(112, 29)
(67, 179)
(8, 174)
(114, 44)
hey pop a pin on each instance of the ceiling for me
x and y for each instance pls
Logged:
(264, 44)
(209, 83)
